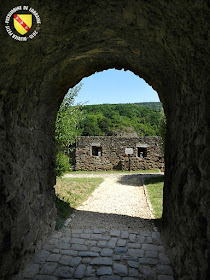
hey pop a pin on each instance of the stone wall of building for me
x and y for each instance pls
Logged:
(108, 153)
(164, 42)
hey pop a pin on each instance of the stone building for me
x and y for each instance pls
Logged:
(118, 153)
(164, 42)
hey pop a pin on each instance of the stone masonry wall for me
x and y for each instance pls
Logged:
(113, 153)
(164, 42)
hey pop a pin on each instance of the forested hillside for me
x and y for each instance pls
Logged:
(116, 119)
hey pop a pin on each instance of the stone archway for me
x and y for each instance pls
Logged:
(164, 43)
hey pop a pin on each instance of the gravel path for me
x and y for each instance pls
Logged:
(110, 237)
(119, 202)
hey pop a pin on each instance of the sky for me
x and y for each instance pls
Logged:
(115, 86)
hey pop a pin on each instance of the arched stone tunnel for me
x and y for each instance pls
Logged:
(164, 42)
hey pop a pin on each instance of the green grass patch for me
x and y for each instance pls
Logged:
(113, 171)
(71, 193)
(154, 188)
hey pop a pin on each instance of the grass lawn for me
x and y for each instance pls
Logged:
(154, 188)
(70, 193)
(113, 171)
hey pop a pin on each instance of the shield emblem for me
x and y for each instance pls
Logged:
(22, 23)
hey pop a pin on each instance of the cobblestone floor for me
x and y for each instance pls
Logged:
(106, 253)
(100, 254)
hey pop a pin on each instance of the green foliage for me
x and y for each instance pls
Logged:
(68, 117)
(66, 129)
(62, 163)
(162, 126)
(110, 119)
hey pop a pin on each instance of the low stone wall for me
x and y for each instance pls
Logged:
(108, 153)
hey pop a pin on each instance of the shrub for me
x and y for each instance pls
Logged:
(62, 163)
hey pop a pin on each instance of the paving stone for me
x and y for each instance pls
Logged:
(95, 249)
(80, 271)
(132, 237)
(155, 235)
(114, 232)
(45, 277)
(149, 240)
(129, 257)
(145, 233)
(85, 235)
(64, 271)
(106, 277)
(95, 236)
(120, 269)
(55, 251)
(148, 273)
(91, 278)
(65, 259)
(151, 254)
(90, 271)
(41, 256)
(88, 254)
(121, 242)
(124, 234)
(165, 277)
(65, 239)
(150, 247)
(31, 270)
(116, 257)
(141, 239)
(119, 250)
(136, 252)
(57, 235)
(53, 257)
(164, 269)
(129, 278)
(75, 261)
(68, 252)
(101, 261)
(66, 231)
(150, 277)
(133, 272)
(77, 241)
(79, 247)
(76, 231)
(133, 264)
(102, 243)
(76, 235)
(88, 231)
(163, 258)
(134, 245)
(106, 252)
(48, 268)
(104, 270)
(52, 241)
(86, 260)
(99, 230)
(106, 237)
(112, 242)
(64, 246)
(48, 247)
(90, 242)
(149, 261)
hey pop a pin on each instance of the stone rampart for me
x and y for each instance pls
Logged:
(109, 153)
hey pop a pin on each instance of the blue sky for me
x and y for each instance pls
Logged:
(115, 86)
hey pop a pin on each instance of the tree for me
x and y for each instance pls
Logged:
(66, 128)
